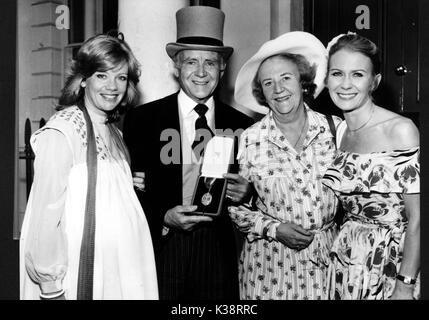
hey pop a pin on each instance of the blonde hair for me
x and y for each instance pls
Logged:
(100, 53)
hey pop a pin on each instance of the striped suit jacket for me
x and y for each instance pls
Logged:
(201, 264)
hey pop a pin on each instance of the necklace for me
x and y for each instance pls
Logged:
(207, 197)
(365, 123)
(302, 130)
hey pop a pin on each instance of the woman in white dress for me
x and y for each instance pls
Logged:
(85, 235)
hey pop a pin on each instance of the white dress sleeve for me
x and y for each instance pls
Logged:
(46, 244)
(341, 128)
(253, 222)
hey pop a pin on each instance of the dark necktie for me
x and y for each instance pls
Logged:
(202, 130)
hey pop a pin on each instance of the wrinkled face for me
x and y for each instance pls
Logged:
(350, 79)
(199, 73)
(280, 81)
(104, 90)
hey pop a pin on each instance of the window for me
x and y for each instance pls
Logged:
(88, 18)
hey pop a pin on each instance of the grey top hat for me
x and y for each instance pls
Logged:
(199, 28)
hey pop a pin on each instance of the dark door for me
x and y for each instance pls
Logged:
(395, 27)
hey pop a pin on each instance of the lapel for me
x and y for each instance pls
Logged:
(220, 116)
(169, 115)
(171, 173)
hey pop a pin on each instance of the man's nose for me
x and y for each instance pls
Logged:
(201, 70)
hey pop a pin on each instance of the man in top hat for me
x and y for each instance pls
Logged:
(195, 254)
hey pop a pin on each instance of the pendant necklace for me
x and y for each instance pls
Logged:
(302, 130)
(366, 122)
(207, 197)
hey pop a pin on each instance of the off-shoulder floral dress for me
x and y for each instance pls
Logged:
(367, 253)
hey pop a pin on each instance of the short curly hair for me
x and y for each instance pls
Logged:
(100, 53)
(307, 73)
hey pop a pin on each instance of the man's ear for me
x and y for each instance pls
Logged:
(176, 72)
(222, 68)
(222, 72)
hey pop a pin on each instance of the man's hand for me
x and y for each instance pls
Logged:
(294, 236)
(177, 218)
(139, 181)
(238, 189)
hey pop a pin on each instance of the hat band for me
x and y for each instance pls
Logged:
(200, 40)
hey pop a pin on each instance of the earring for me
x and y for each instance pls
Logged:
(83, 84)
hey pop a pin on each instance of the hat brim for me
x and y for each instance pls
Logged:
(296, 42)
(173, 48)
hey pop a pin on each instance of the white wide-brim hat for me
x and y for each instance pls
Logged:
(295, 42)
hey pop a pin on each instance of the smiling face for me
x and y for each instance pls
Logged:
(104, 90)
(350, 80)
(199, 73)
(281, 86)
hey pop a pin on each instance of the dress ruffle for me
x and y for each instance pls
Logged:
(383, 172)
(367, 251)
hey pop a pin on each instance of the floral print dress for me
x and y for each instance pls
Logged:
(289, 188)
(367, 252)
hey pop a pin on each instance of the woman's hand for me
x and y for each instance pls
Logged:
(294, 236)
(138, 181)
(402, 291)
(59, 295)
(239, 190)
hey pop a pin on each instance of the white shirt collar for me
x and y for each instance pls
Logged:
(187, 105)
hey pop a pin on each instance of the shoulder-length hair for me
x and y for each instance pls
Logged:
(100, 53)
(307, 73)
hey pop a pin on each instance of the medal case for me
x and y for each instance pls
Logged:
(209, 199)
(209, 193)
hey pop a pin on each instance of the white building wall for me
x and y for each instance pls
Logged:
(148, 26)
(247, 27)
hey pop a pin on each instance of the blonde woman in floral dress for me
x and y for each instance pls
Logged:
(290, 229)
(377, 177)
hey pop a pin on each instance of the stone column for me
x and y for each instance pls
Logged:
(90, 18)
(148, 26)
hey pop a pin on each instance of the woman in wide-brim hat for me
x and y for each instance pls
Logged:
(290, 228)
